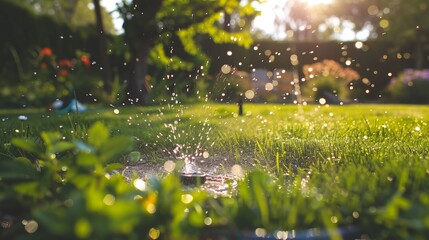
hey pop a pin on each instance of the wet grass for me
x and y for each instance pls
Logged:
(359, 165)
(281, 138)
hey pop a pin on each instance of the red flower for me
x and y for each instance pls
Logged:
(63, 72)
(65, 63)
(46, 52)
(85, 60)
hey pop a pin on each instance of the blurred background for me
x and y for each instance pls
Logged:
(135, 52)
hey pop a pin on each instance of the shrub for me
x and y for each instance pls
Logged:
(411, 86)
(327, 79)
(51, 79)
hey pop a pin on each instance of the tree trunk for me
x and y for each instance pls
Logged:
(137, 87)
(227, 22)
(106, 70)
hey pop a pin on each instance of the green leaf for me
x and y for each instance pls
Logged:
(17, 169)
(62, 147)
(97, 134)
(114, 147)
(83, 228)
(27, 145)
(35, 189)
(113, 166)
(87, 160)
(134, 156)
(82, 181)
(50, 138)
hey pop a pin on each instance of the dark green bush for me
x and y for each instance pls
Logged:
(410, 87)
(20, 42)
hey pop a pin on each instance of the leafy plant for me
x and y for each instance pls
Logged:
(410, 86)
(49, 79)
(331, 171)
(328, 80)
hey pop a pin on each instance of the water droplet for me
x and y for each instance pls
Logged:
(237, 170)
(31, 226)
(269, 86)
(208, 221)
(260, 232)
(384, 23)
(169, 165)
(358, 44)
(267, 52)
(150, 208)
(154, 233)
(281, 234)
(22, 117)
(249, 94)
(139, 184)
(187, 198)
(109, 199)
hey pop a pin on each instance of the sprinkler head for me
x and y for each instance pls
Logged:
(193, 179)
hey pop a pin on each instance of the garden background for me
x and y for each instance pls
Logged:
(311, 123)
(100, 66)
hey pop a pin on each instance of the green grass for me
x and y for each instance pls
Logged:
(359, 165)
(274, 135)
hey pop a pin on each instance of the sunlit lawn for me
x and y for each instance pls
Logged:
(352, 165)
(287, 135)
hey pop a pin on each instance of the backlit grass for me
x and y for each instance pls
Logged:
(328, 166)
(273, 135)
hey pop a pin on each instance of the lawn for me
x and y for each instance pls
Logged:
(310, 167)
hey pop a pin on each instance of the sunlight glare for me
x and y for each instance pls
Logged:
(269, 9)
(316, 2)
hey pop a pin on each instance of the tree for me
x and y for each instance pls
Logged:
(404, 22)
(147, 24)
(362, 13)
(75, 13)
(102, 44)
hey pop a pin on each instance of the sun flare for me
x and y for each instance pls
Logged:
(270, 9)
(316, 2)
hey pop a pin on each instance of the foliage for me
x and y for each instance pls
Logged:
(310, 170)
(20, 45)
(403, 22)
(75, 13)
(169, 30)
(50, 79)
(327, 78)
(360, 13)
(411, 86)
(69, 189)
(295, 19)
(411, 28)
